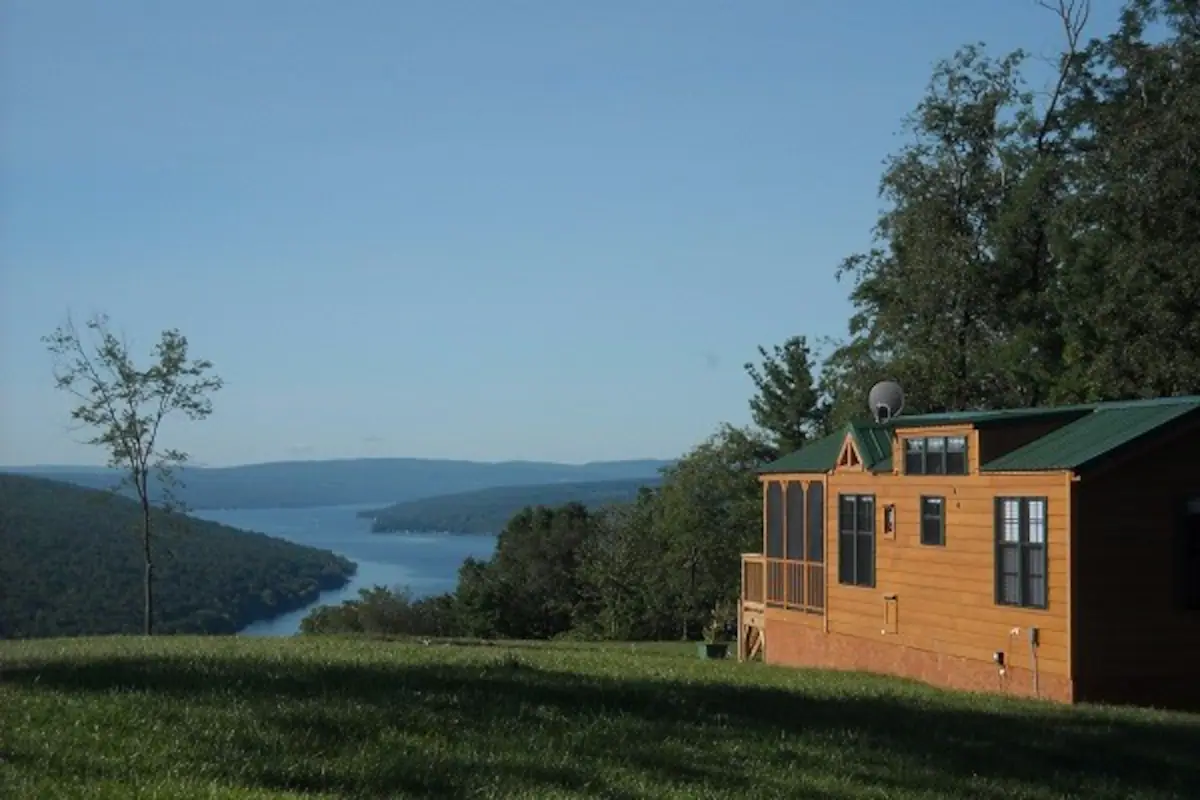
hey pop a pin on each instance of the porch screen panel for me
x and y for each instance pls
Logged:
(794, 547)
(816, 522)
(774, 520)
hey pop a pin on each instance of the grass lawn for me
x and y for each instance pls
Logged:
(326, 717)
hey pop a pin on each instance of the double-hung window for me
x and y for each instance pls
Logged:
(856, 539)
(1021, 573)
(933, 520)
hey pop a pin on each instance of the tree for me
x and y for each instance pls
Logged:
(530, 588)
(847, 375)
(125, 406)
(711, 513)
(621, 573)
(960, 299)
(786, 404)
(921, 309)
(1131, 243)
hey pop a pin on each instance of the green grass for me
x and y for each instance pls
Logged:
(330, 717)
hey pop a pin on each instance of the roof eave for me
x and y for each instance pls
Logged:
(1030, 471)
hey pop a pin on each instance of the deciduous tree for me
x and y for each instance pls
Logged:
(124, 407)
(1131, 243)
(711, 514)
(960, 298)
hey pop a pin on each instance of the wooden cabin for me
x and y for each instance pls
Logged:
(1051, 552)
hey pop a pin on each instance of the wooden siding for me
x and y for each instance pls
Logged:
(944, 596)
(815, 621)
(1132, 641)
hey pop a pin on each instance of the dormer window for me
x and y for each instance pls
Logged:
(935, 455)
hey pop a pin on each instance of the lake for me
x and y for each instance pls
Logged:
(425, 562)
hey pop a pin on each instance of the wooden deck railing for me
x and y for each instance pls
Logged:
(779, 583)
(753, 578)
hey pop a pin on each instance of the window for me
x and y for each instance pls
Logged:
(956, 455)
(856, 540)
(935, 455)
(1021, 552)
(794, 546)
(933, 520)
(914, 456)
(774, 520)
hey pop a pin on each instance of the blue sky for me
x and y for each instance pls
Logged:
(528, 229)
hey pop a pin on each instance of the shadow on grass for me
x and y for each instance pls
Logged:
(657, 648)
(446, 729)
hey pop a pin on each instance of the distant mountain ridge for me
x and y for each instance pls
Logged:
(299, 484)
(489, 510)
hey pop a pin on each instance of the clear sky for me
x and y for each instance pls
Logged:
(525, 229)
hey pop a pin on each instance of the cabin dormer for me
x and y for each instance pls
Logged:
(943, 450)
(962, 442)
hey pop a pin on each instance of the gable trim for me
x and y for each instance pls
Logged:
(849, 459)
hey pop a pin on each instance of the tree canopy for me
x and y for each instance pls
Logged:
(1035, 245)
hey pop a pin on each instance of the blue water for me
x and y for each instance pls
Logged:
(426, 563)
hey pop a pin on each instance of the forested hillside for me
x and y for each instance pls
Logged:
(489, 510)
(295, 484)
(70, 564)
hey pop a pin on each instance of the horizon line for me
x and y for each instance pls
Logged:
(483, 462)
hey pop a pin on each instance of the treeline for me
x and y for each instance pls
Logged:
(70, 566)
(1038, 245)
(489, 510)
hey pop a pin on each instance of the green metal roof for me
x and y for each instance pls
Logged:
(874, 443)
(988, 417)
(1096, 430)
(819, 455)
(1108, 427)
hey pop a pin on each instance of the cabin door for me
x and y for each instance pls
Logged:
(1189, 552)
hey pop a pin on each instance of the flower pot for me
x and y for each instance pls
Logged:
(708, 650)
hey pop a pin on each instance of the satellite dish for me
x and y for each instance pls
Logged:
(886, 400)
